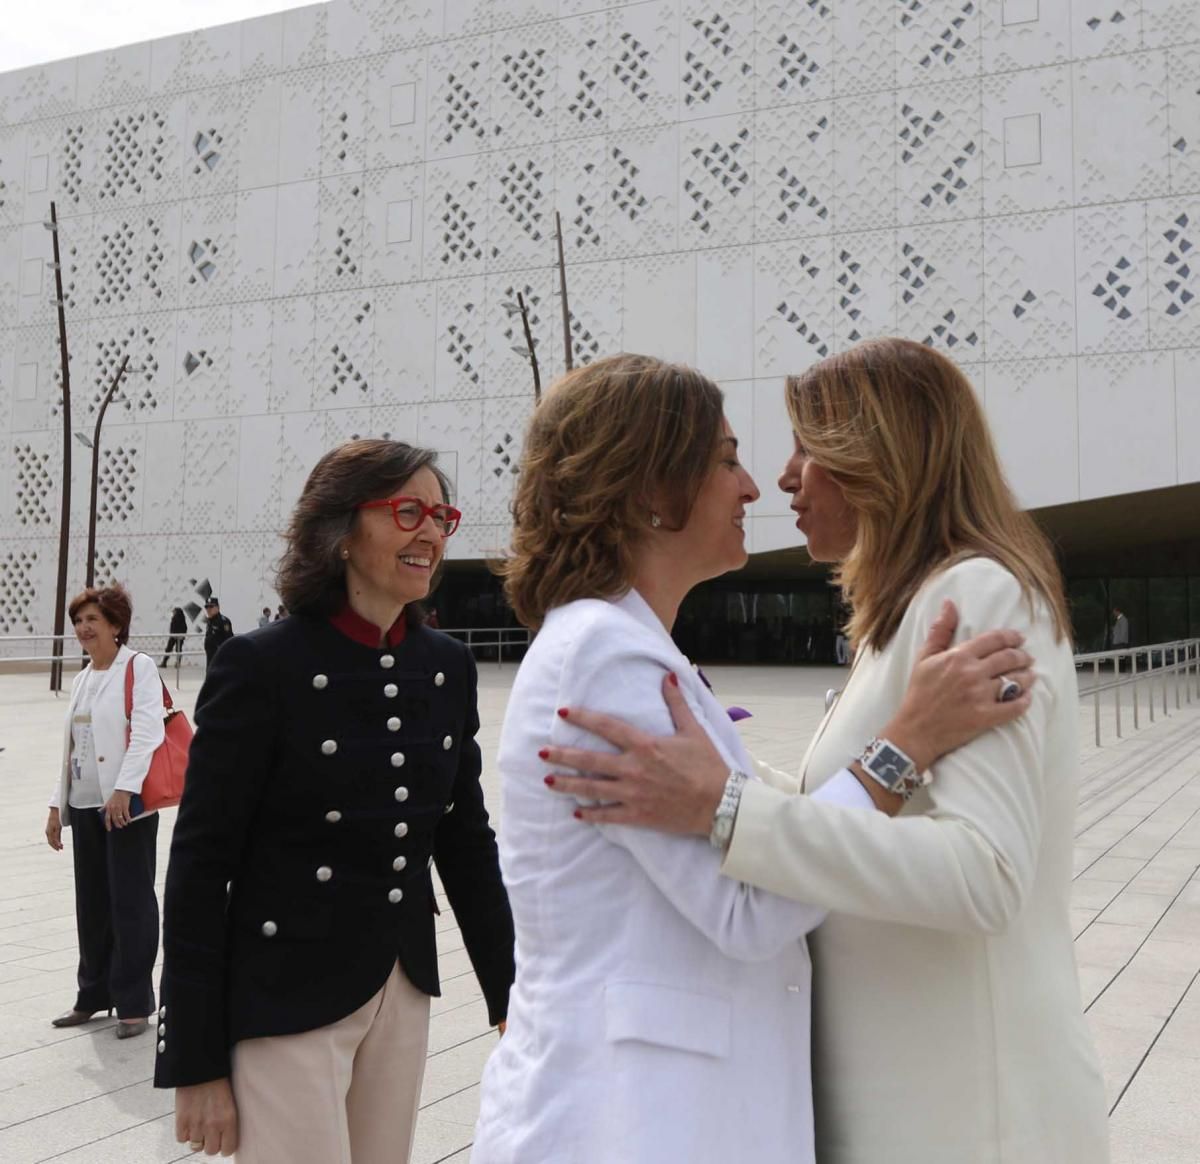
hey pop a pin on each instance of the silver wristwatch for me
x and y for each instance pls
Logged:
(892, 768)
(722, 825)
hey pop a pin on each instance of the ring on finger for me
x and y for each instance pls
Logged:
(1009, 690)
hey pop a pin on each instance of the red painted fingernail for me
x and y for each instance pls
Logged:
(577, 815)
(549, 780)
(544, 754)
(673, 679)
(562, 711)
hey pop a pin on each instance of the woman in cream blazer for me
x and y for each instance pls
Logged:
(660, 1013)
(114, 846)
(947, 1021)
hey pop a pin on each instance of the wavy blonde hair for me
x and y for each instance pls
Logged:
(609, 443)
(899, 428)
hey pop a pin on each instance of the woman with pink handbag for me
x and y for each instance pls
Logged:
(106, 758)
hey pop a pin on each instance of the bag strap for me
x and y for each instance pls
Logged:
(167, 703)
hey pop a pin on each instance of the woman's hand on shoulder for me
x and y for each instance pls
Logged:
(206, 1117)
(54, 830)
(954, 692)
(672, 783)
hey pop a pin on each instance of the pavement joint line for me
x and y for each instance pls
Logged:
(1185, 746)
(101, 1139)
(490, 1032)
(1153, 1043)
(1149, 934)
(1125, 763)
(448, 1095)
(67, 1106)
(58, 1043)
(1145, 860)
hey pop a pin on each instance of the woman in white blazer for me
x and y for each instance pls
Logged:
(98, 793)
(660, 1012)
(948, 1026)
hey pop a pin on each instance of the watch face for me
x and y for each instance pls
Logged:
(892, 765)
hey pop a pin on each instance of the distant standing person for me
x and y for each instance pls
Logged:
(1120, 632)
(219, 629)
(280, 612)
(98, 794)
(178, 635)
(264, 619)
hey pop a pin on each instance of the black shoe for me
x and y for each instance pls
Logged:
(76, 1018)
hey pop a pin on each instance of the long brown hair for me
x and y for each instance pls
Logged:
(899, 428)
(311, 576)
(610, 443)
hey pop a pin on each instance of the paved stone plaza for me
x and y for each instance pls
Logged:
(81, 1097)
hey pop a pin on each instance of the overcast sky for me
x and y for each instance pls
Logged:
(35, 31)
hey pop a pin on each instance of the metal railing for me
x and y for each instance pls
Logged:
(1169, 670)
(498, 639)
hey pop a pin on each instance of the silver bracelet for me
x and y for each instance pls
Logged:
(726, 814)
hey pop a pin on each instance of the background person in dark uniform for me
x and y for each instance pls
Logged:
(217, 630)
(334, 761)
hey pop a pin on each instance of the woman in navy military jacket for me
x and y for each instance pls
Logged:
(334, 761)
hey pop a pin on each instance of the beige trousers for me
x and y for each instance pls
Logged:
(346, 1093)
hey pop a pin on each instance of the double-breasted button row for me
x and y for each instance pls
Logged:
(439, 679)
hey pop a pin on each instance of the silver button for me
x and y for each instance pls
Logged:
(324, 873)
(450, 807)
(320, 682)
(269, 929)
(387, 662)
(401, 830)
(399, 863)
(447, 744)
(162, 1012)
(401, 794)
(391, 691)
(333, 816)
(397, 759)
(162, 1045)
(394, 724)
(162, 1030)
(439, 679)
(395, 895)
(329, 747)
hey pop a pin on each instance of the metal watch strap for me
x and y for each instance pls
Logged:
(727, 810)
(892, 768)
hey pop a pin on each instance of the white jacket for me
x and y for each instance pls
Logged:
(660, 1013)
(120, 768)
(947, 1022)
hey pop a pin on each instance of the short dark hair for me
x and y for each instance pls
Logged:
(311, 576)
(114, 603)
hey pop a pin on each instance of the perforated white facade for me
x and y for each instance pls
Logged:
(307, 226)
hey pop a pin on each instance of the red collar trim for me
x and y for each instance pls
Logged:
(355, 627)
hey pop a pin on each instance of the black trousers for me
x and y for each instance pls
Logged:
(116, 913)
(174, 643)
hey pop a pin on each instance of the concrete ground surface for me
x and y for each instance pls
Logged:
(81, 1097)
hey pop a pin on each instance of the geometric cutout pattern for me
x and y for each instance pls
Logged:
(18, 591)
(34, 487)
(117, 488)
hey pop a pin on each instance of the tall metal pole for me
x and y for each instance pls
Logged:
(64, 521)
(568, 353)
(91, 550)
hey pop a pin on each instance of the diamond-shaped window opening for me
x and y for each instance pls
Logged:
(461, 107)
(196, 361)
(17, 591)
(1024, 303)
(505, 461)
(117, 491)
(944, 331)
(34, 487)
(1177, 259)
(1095, 22)
(201, 255)
(525, 77)
(205, 147)
(1113, 289)
(630, 67)
(108, 566)
(800, 326)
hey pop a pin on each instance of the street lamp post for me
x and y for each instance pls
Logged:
(94, 444)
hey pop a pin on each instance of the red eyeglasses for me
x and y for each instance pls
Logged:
(409, 512)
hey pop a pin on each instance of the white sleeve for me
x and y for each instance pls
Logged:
(967, 864)
(146, 723)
